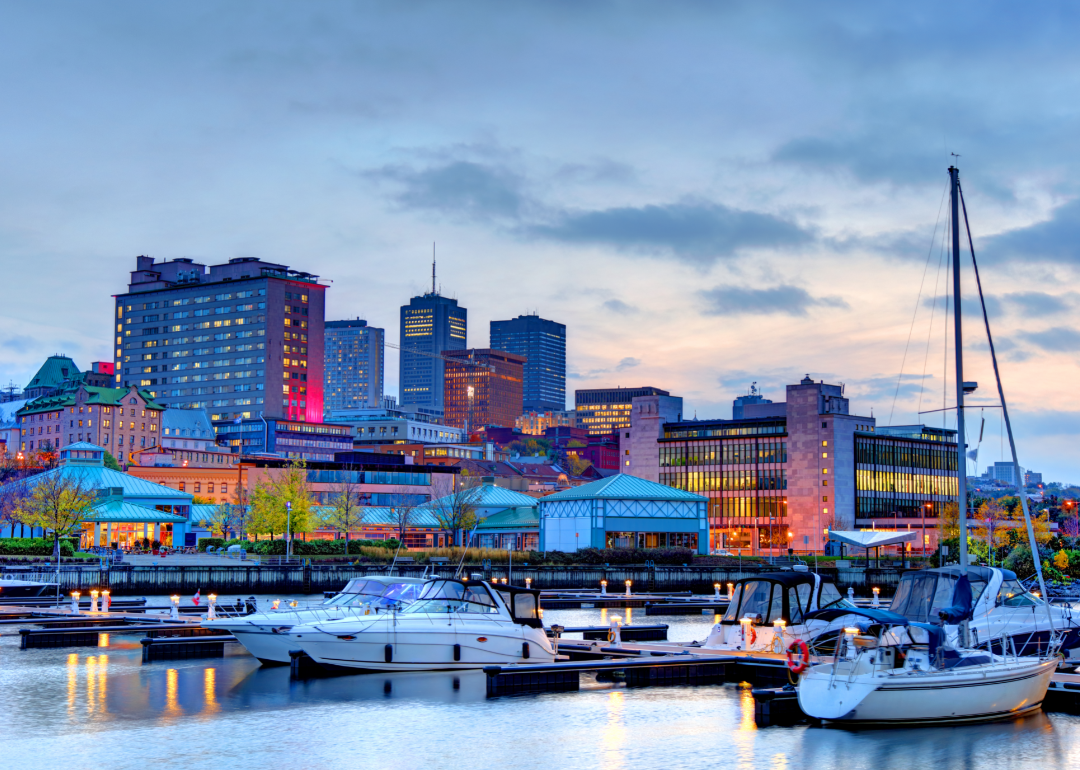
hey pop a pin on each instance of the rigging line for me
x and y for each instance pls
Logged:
(1005, 416)
(945, 359)
(926, 267)
(933, 312)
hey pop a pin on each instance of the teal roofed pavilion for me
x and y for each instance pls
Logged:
(623, 511)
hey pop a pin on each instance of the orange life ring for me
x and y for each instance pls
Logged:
(804, 663)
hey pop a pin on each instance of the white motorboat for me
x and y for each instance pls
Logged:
(266, 634)
(1003, 612)
(452, 625)
(888, 670)
(14, 588)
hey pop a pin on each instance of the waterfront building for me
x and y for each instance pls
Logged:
(623, 512)
(538, 423)
(483, 387)
(127, 509)
(786, 473)
(121, 420)
(353, 365)
(753, 397)
(637, 453)
(286, 438)
(543, 343)
(396, 425)
(243, 340)
(431, 325)
(607, 410)
(214, 482)
(486, 500)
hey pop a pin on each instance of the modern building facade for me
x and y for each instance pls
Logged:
(286, 438)
(483, 387)
(353, 365)
(431, 324)
(606, 410)
(786, 473)
(543, 343)
(394, 425)
(537, 423)
(242, 340)
(752, 397)
(637, 446)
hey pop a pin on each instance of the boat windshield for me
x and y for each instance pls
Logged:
(731, 614)
(831, 598)
(759, 602)
(375, 593)
(444, 596)
(921, 595)
(1012, 594)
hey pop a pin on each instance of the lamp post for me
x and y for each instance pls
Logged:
(288, 529)
(927, 507)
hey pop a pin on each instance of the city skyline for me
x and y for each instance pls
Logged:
(753, 227)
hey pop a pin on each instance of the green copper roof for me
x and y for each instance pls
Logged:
(95, 396)
(383, 516)
(623, 487)
(119, 511)
(491, 496)
(99, 477)
(54, 371)
(516, 518)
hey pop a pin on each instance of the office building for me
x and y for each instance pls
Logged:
(291, 439)
(637, 445)
(786, 473)
(543, 343)
(752, 397)
(431, 324)
(606, 410)
(537, 423)
(390, 424)
(242, 340)
(353, 365)
(1004, 472)
(483, 387)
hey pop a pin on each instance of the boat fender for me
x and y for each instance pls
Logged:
(457, 652)
(388, 654)
(525, 650)
(803, 663)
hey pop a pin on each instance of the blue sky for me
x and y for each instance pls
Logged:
(706, 194)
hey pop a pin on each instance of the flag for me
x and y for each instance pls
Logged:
(195, 598)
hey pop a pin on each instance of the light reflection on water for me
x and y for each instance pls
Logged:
(102, 707)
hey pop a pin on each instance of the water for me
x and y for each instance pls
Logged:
(103, 708)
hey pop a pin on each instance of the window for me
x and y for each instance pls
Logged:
(198, 487)
(824, 470)
(224, 487)
(824, 455)
(824, 443)
(182, 485)
(210, 487)
(825, 498)
(824, 425)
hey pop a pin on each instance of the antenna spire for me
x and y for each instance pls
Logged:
(433, 267)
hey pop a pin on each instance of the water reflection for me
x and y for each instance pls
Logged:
(614, 735)
(172, 688)
(209, 690)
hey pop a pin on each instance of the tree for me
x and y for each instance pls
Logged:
(456, 509)
(992, 521)
(58, 502)
(200, 500)
(13, 503)
(346, 511)
(225, 518)
(577, 465)
(269, 512)
(403, 512)
(110, 462)
(949, 523)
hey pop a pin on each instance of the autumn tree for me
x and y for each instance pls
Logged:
(403, 511)
(577, 465)
(58, 502)
(992, 523)
(346, 511)
(455, 509)
(272, 495)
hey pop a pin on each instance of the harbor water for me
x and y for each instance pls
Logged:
(102, 707)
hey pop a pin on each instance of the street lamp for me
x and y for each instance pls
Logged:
(927, 507)
(288, 529)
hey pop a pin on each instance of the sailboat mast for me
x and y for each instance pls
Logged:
(958, 343)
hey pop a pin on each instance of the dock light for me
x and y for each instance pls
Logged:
(603, 586)
(175, 612)
(528, 582)
(615, 632)
(746, 628)
(849, 642)
(275, 604)
(74, 602)
(628, 583)
(93, 600)
(730, 591)
(211, 608)
(778, 627)
(877, 594)
(106, 600)
(716, 590)
(294, 604)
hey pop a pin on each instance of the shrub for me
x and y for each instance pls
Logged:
(210, 542)
(36, 546)
(633, 555)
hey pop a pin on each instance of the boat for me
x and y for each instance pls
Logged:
(12, 587)
(454, 624)
(266, 634)
(887, 669)
(1005, 616)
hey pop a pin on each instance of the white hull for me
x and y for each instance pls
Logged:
(266, 635)
(977, 693)
(420, 643)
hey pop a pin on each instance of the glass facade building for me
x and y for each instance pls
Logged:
(603, 411)
(353, 365)
(483, 387)
(241, 340)
(431, 324)
(543, 344)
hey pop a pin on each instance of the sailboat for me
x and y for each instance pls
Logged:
(889, 669)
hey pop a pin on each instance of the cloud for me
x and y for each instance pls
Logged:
(623, 365)
(783, 299)
(620, 307)
(1055, 240)
(603, 170)
(20, 343)
(627, 363)
(694, 231)
(476, 191)
(1059, 339)
(869, 158)
(1040, 303)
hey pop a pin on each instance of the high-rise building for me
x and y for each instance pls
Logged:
(606, 410)
(483, 387)
(242, 340)
(353, 365)
(431, 324)
(543, 343)
(753, 397)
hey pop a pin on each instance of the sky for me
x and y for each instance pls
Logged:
(708, 195)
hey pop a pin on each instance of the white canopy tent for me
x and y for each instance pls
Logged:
(873, 538)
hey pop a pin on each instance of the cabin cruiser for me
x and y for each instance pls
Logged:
(266, 634)
(767, 612)
(1004, 612)
(452, 625)
(13, 588)
(886, 669)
